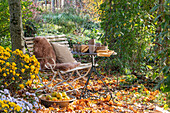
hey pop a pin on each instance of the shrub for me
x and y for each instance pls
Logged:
(17, 70)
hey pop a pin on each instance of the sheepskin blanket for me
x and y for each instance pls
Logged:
(44, 52)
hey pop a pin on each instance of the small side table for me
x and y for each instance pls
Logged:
(86, 93)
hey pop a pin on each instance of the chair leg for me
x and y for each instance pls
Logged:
(81, 76)
(63, 80)
(45, 85)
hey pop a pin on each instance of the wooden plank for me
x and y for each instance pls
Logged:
(30, 45)
(61, 42)
(29, 42)
(55, 36)
(29, 38)
(60, 36)
(57, 39)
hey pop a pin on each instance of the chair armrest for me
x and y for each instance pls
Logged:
(49, 65)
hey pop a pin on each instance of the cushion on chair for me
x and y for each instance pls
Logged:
(62, 53)
(43, 49)
(66, 66)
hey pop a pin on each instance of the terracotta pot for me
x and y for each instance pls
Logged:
(92, 48)
(91, 42)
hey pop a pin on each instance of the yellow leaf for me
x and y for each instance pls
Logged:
(150, 67)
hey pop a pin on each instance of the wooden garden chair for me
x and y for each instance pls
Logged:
(50, 66)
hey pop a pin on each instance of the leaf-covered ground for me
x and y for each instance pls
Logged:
(128, 99)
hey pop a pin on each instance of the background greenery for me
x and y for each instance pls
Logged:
(139, 34)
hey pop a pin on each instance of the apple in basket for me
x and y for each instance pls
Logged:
(48, 97)
(57, 96)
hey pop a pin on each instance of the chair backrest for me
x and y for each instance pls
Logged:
(61, 39)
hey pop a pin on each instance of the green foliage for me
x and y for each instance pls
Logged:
(77, 26)
(69, 22)
(160, 48)
(4, 23)
(127, 26)
(139, 34)
(29, 13)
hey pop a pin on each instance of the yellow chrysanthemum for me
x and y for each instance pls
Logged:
(32, 67)
(22, 70)
(5, 110)
(13, 78)
(5, 58)
(17, 108)
(22, 64)
(21, 86)
(13, 63)
(13, 72)
(26, 66)
(28, 83)
(8, 49)
(6, 83)
(4, 74)
(32, 76)
(7, 64)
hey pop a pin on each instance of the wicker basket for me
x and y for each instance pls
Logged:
(84, 48)
(62, 103)
(105, 54)
(102, 48)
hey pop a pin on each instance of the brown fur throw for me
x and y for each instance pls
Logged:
(67, 66)
(43, 49)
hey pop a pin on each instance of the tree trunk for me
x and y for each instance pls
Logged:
(53, 5)
(62, 4)
(74, 3)
(58, 4)
(16, 29)
(46, 4)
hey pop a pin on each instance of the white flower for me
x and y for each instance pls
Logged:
(3, 97)
(9, 98)
(27, 93)
(30, 106)
(6, 91)
(1, 91)
(37, 100)
(34, 111)
(32, 94)
(27, 108)
(22, 110)
(35, 104)
(13, 99)
(40, 106)
(21, 104)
